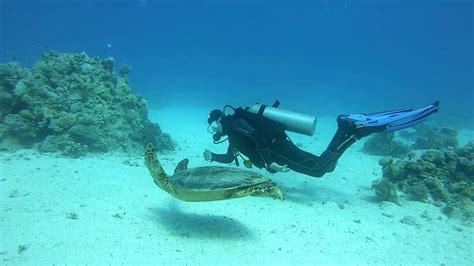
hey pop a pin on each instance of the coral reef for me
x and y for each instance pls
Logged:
(385, 190)
(385, 144)
(74, 104)
(10, 74)
(442, 177)
(421, 136)
(428, 137)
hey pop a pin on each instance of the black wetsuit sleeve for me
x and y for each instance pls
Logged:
(224, 158)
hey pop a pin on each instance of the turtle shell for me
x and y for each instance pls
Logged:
(215, 178)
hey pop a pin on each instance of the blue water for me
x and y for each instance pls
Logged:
(319, 57)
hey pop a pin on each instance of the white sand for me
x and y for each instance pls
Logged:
(151, 227)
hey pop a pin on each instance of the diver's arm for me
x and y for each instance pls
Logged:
(224, 158)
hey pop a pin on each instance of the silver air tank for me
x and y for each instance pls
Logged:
(292, 121)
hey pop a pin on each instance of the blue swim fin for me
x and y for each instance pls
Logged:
(362, 125)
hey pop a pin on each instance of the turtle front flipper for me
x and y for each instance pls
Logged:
(267, 189)
(155, 168)
(183, 165)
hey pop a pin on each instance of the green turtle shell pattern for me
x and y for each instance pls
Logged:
(215, 178)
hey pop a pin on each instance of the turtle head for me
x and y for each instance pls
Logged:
(267, 189)
(155, 168)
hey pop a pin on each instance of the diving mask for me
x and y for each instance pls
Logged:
(214, 127)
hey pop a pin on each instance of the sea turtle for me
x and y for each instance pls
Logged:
(209, 183)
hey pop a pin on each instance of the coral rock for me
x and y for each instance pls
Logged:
(74, 104)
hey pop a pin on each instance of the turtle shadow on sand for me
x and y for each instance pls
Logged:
(310, 193)
(369, 196)
(194, 225)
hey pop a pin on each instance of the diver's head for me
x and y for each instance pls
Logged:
(214, 122)
(214, 115)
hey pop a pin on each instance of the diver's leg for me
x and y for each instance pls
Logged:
(355, 126)
(284, 152)
(341, 140)
(350, 128)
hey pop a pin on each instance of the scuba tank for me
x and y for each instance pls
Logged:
(292, 121)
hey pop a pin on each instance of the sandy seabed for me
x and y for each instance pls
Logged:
(106, 210)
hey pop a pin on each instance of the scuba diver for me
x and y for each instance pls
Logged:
(258, 132)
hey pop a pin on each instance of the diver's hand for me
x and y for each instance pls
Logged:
(207, 154)
(279, 168)
(284, 168)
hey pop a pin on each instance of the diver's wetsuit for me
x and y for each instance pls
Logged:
(264, 141)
